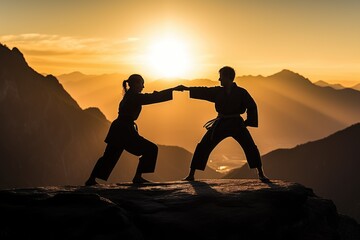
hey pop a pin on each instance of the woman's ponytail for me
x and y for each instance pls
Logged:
(133, 79)
(124, 85)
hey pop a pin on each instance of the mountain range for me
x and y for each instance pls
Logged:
(322, 83)
(48, 139)
(325, 84)
(329, 165)
(291, 108)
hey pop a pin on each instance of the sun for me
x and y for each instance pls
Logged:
(169, 57)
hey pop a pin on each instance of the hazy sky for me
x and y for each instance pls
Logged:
(187, 38)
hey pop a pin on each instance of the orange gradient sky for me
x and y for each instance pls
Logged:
(187, 38)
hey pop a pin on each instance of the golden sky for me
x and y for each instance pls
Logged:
(187, 38)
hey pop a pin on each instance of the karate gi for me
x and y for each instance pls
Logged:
(123, 135)
(228, 123)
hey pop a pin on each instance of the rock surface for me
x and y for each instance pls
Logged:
(206, 209)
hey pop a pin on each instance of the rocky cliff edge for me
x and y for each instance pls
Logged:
(206, 209)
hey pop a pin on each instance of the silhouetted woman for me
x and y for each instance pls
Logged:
(123, 134)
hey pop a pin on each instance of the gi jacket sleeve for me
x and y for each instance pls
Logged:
(155, 97)
(251, 111)
(204, 93)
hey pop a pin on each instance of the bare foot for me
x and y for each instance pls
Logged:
(91, 182)
(140, 180)
(264, 179)
(189, 178)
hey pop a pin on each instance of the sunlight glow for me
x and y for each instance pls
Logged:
(169, 57)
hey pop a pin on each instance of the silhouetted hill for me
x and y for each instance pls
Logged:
(356, 87)
(48, 139)
(330, 166)
(101, 91)
(294, 110)
(209, 209)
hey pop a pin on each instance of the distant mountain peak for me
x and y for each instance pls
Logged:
(75, 73)
(11, 57)
(289, 75)
(72, 76)
(17, 52)
(286, 73)
(356, 87)
(95, 112)
(3, 47)
(322, 83)
(51, 77)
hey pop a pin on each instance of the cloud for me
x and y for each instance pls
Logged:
(44, 44)
(47, 52)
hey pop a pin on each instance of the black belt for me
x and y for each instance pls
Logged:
(214, 122)
(128, 120)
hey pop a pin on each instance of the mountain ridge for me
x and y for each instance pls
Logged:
(328, 165)
(46, 137)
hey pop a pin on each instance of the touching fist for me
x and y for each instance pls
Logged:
(180, 88)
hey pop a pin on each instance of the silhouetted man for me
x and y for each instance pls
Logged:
(230, 101)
